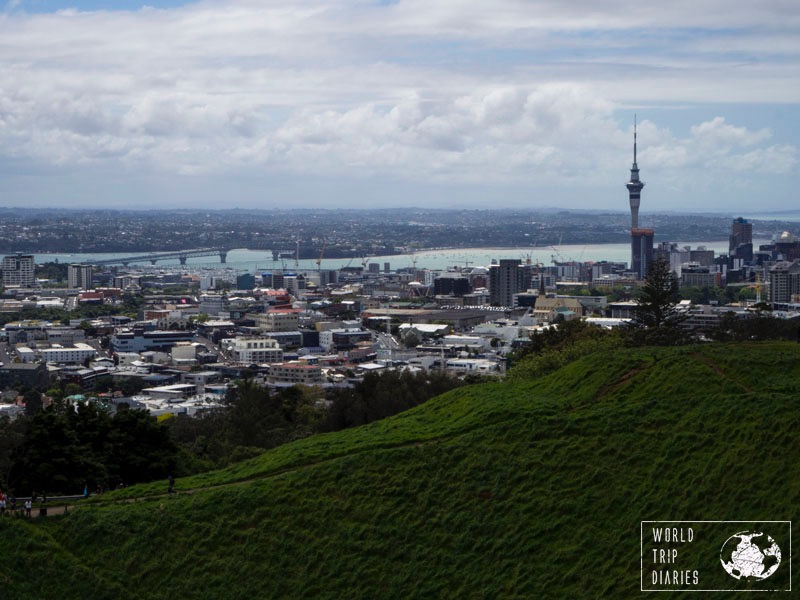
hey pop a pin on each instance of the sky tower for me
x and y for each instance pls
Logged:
(634, 185)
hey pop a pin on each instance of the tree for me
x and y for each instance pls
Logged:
(657, 318)
(33, 402)
(12, 449)
(658, 298)
(410, 339)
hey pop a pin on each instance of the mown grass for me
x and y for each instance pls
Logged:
(514, 490)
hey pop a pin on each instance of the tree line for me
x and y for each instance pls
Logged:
(65, 448)
(68, 446)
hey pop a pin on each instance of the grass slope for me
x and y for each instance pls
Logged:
(516, 489)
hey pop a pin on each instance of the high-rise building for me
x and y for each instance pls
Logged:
(18, 271)
(79, 276)
(641, 251)
(784, 282)
(634, 185)
(506, 279)
(741, 233)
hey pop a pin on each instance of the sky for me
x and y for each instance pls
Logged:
(430, 103)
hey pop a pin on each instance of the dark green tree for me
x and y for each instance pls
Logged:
(12, 449)
(33, 402)
(658, 298)
(138, 448)
(657, 318)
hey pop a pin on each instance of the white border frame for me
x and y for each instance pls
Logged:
(641, 556)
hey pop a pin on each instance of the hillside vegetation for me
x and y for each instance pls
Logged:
(526, 488)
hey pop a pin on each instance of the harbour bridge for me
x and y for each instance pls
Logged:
(153, 258)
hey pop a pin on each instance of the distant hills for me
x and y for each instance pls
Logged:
(520, 489)
(348, 233)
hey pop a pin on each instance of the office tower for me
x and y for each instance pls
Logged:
(641, 251)
(741, 240)
(505, 280)
(741, 233)
(18, 271)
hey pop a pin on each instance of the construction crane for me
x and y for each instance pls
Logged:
(557, 258)
(364, 261)
(758, 288)
(321, 254)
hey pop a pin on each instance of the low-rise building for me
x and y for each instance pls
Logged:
(25, 354)
(256, 350)
(295, 372)
(343, 339)
(65, 335)
(68, 355)
(549, 308)
(138, 340)
(30, 375)
(183, 351)
(279, 320)
(479, 366)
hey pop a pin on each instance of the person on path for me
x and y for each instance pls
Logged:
(28, 505)
(171, 480)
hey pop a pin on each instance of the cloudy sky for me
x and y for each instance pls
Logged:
(474, 103)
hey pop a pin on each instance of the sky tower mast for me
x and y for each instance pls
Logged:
(634, 185)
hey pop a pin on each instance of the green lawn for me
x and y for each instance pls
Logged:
(518, 489)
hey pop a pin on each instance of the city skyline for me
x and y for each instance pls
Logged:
(376, 104)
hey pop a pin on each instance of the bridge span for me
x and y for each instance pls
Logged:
(153, 258)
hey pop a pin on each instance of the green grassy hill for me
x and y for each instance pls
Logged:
(518, 489)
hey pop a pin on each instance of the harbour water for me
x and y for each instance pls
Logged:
(261, 260)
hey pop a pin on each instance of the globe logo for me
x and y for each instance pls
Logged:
(750, 555)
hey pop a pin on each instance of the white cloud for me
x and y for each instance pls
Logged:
(420, 90)
(717, 133)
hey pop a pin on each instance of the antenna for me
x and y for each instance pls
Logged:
(634, 138)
